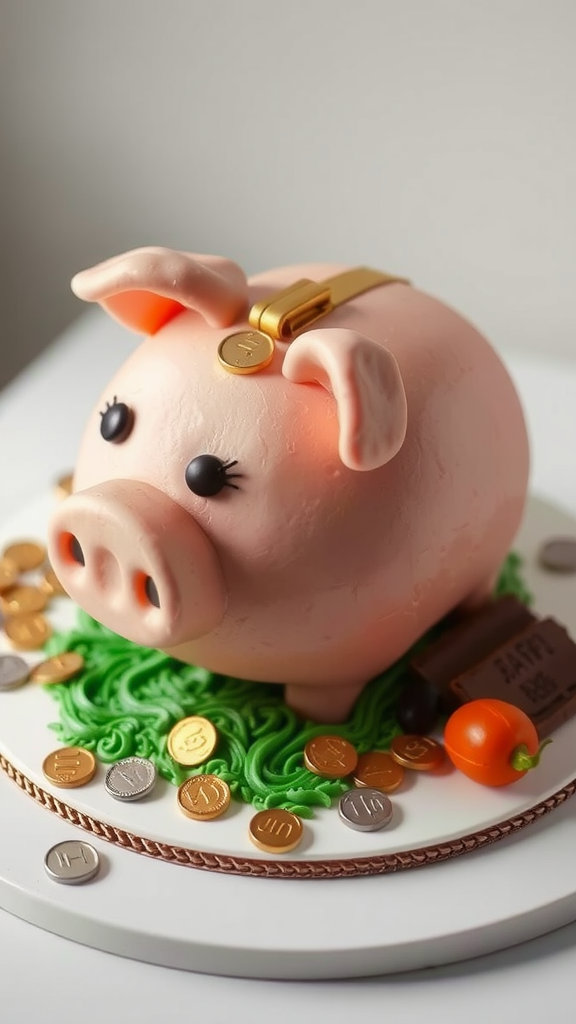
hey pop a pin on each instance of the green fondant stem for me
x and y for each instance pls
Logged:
(522, 761)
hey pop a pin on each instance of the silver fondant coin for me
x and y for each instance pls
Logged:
(72, 862)
(131, 779)
(13, 671)
(365, 810)
(558, 554)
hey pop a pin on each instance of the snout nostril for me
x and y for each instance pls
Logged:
(76, 551)
(151, 591)
(71, 549)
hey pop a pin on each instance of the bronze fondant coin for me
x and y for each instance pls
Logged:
(378, 770)
(51, 585)
(64, 485)
(419, 752)
(58, 669)
(558, 554)
(246, 352)
(23, 600)
(27, 632)
(8, 573)
(332, 757)
(192, 740)
(26, 555)
(204, 797)
(275, 831)
(69, 767)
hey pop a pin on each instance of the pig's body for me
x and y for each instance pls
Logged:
(311, 573)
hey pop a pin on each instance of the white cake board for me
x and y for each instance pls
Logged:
(283, 928)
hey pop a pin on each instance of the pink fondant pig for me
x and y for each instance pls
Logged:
(303, 524)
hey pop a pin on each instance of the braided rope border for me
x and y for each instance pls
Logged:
(378, 865)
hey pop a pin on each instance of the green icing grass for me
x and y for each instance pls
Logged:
(128, 698)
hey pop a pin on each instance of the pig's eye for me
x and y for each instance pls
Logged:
(116, 422)
(206, 475)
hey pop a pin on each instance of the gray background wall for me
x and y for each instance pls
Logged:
(434, 138)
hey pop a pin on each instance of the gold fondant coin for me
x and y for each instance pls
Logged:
(69, 767)
(64, 485)
(8, 573)
(58, 669)
(275, 831)
(378, 770)
(51, 585)
(204, 797)
(246, 352)
(27, 632)
(26, 555)
(23, 601)
(419, 752)
(192, 740)
(332, 757)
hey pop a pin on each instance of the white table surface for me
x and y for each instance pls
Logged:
(49, 979)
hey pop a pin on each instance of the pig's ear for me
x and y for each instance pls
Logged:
(145, 288)
(366, 383)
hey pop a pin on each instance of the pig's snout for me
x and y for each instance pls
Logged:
(137, 562)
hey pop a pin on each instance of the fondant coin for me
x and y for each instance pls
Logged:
(204, 797)
(69, 767)
(26, 555)
(72, 862)
(8, 573)
(58, 669)
(275, 831)
(64, 485)
(27, 632)
(13, 671)
(51, 585)
(419, 752)
(559, 554)
(23, 600)
(365, 810)
(192, 740)
(133, 778)
(246, 352)
(332, 757)
(378, 770)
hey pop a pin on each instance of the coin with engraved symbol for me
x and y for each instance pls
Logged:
(26, 555)
(13, 671)
(246, 352)
(203, 797)
(64, 485)
(72, 862)
(378, 770)
(133, 778)
(69, 767)
(27, 632)
(275, 831)
(365, 810)
(558, 554)
(192, 740)
(421, 753)
(51, 585)
(23, 601)
(8, 573)
(58, 669)
(332, 757)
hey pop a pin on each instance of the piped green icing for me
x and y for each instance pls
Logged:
(128, 698)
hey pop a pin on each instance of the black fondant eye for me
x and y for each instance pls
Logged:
(116, 422)
(206, 475)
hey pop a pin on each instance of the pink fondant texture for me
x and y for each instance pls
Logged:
(382, 464)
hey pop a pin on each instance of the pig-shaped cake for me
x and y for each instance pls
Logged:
(293, 477)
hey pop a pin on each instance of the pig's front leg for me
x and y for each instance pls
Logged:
(329, 704)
